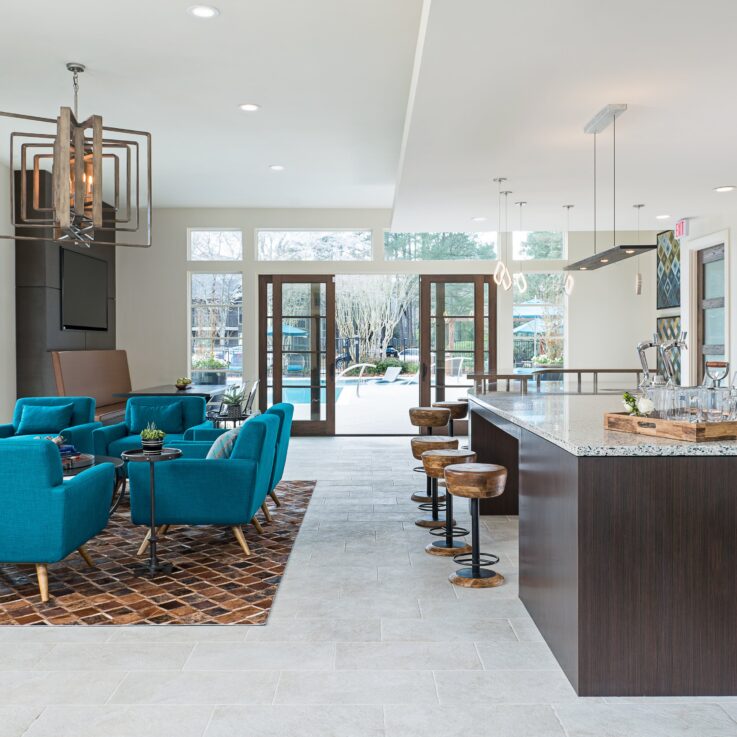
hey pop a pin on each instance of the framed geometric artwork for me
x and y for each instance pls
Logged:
(669, 271)
(669, 328)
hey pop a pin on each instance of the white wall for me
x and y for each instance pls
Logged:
(7, 304)
(606, 320)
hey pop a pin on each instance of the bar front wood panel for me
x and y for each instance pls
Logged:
(493, 444)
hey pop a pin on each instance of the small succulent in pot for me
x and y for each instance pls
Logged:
(152, 439)
(233, 400)
(183, 382)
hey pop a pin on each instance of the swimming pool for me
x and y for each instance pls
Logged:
(301, 394)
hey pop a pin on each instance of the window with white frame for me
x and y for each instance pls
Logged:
(216, 338)
(313, 245)
(538, 244)
(215, 245)
(439, 246)
(538, 321)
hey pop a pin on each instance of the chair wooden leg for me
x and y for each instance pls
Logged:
(257, 525)
(85, 555)
(241, 538)
(273, 495)
(160, 531)
(266, 512)
(42, 574)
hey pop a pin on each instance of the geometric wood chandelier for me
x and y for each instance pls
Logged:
(100, 180)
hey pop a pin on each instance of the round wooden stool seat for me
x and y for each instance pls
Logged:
(475, 480)
(435, 461)
(422, 443)
(429, 416)
(458, 410)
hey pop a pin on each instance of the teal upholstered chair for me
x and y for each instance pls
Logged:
(45, 518)
(72, 417)
(199, 491)
(203, 437)
(174, 415)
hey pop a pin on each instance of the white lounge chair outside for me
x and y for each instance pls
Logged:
(390, 375)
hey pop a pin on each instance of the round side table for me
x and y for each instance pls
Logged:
(118, 488)
(139, 456)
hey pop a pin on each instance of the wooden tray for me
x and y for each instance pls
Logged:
(694, 432)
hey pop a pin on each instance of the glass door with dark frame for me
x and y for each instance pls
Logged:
(711, 323)
(296, 331)
(457, 334)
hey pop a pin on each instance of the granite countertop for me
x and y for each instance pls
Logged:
(575, 422)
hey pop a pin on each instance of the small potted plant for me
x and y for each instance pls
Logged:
(233, 400)
(183, 382)
(152, 439)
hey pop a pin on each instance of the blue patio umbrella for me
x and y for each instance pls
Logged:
(288, 330)
(531, 327)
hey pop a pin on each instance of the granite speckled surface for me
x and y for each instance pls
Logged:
(575, 422)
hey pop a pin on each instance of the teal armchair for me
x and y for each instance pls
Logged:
(71, 417)
(196, 491)
(45, 518)
(174, 415)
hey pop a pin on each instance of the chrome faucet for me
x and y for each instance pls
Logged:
(641, 348)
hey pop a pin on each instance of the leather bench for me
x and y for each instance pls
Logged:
(96, 374)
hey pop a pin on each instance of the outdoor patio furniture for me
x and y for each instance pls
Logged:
(390, 375)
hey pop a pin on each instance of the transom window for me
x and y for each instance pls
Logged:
(313, 245)
(215, 245)
(537, 244)
(439, 246)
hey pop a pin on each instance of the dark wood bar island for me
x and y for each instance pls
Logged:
(627, 544)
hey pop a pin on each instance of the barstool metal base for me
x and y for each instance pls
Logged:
(440, 547)
(481, 579)
(428, 521)
(422, 498)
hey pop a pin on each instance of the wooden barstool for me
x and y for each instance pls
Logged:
(420, 444)
(429, 417)
(435, 463)
(476, 481)
(458, 411)
(430, 501)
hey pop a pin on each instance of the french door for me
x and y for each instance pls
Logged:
(457, 334)
(297, 349)
(711, 330)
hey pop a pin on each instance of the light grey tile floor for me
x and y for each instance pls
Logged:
(367, 638)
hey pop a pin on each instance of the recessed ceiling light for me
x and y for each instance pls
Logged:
(249, 107)
(725, 188)
(203, 11)
(629, 251)
(604, 260)
(584, 268)
(662, 217)
(479, 219)
(276, 167)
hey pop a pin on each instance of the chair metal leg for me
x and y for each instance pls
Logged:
(160, 532)
(257, 525)
(241, 538)
(273, 495)
(266, 512)
(477, 574)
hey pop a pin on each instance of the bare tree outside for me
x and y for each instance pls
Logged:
(216, 245)
(314, 245)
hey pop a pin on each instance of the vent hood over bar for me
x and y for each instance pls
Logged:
(606, 116)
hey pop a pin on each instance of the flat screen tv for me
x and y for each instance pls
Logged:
(83, 292)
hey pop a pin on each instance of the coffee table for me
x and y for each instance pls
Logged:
(118, 488)
(155, 566)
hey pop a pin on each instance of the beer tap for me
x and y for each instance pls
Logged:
(641, 348)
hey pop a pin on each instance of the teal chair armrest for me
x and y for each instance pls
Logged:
(189, 433)
(191, 448)
(194, 492)
(7, 431)
(80, 436)
(103, 436)
(204, 435)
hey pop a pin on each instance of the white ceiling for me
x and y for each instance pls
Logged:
(505, 88)
(332, 77)
(496, 89)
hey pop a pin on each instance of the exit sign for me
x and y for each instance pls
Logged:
(682, 228)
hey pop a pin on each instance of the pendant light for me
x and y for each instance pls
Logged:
(606, 116)
(569, 282)
(500, 271)
(506, 281)
(638, 275)
(76, 155)
(520, 280)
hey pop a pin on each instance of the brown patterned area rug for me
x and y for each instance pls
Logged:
(212, 581)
